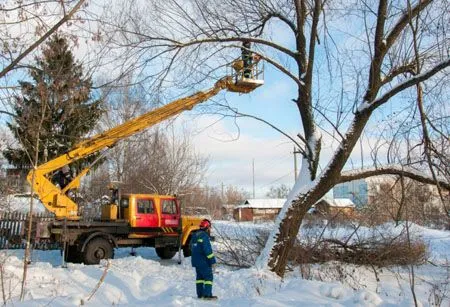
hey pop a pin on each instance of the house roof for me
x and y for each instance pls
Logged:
(263, 203)
(272, 203)
(339, 202)
(343, 202)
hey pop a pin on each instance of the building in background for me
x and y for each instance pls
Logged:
(333, 207)
(258, 209)
(356, 190)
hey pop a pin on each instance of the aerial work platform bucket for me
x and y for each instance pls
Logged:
(243, 84)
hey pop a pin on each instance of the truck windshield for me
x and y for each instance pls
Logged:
(169, 206)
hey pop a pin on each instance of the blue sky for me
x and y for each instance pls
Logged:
(232, 150)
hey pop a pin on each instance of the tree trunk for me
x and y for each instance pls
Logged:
(301, 198)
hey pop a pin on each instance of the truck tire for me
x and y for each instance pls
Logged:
(165, 252)
(96, 250)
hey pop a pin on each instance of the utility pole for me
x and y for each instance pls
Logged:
(295, 152)
(253, 177)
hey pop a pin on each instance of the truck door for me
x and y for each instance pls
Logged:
(146, 215)
(170, 214)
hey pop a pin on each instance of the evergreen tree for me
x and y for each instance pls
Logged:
(56, 106)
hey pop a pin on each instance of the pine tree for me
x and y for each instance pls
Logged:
(57, 103)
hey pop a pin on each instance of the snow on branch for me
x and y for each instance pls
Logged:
(404, 85)
(393, 170)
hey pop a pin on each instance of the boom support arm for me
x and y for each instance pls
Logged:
(55, 199)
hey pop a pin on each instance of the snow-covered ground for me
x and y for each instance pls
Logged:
(145, 280)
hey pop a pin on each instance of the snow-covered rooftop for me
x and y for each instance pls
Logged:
(343, 202)
(263, 203)
(338, 202)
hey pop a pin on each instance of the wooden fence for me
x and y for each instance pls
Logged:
(13, 227)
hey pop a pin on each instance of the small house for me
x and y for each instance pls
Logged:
(258, 209)
(335, 206)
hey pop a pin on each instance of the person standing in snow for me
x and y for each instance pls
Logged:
(203, 260)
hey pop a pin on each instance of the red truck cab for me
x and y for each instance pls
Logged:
(150, 211)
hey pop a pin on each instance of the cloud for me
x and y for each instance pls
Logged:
(231, 155)
(232, 151)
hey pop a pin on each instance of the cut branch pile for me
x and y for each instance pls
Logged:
(371, 252)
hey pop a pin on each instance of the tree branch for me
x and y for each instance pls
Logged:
(300, 9)
(404, 20)
(393, 170)
(42, 39)
(381, 20)
(281, 68)
(408, 83)
(312, 42)
(289, 23)
(263, 121)
(382, 45)
(406, 68)
(379, 52)
(217, 40)
(8, 113)
(24, 5)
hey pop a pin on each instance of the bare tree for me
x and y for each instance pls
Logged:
(171, 163)
(280, 191)
(161, 160)
(368, 47)
(233, 195)
(392, 198)
(216, 202)
(124, 102)
(203, 201)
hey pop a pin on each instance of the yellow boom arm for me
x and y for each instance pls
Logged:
(55, 199)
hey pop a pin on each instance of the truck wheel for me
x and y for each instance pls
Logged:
(165, 252)
(96, 250)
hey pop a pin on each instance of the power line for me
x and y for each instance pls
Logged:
(274, 181)
(274, 160)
